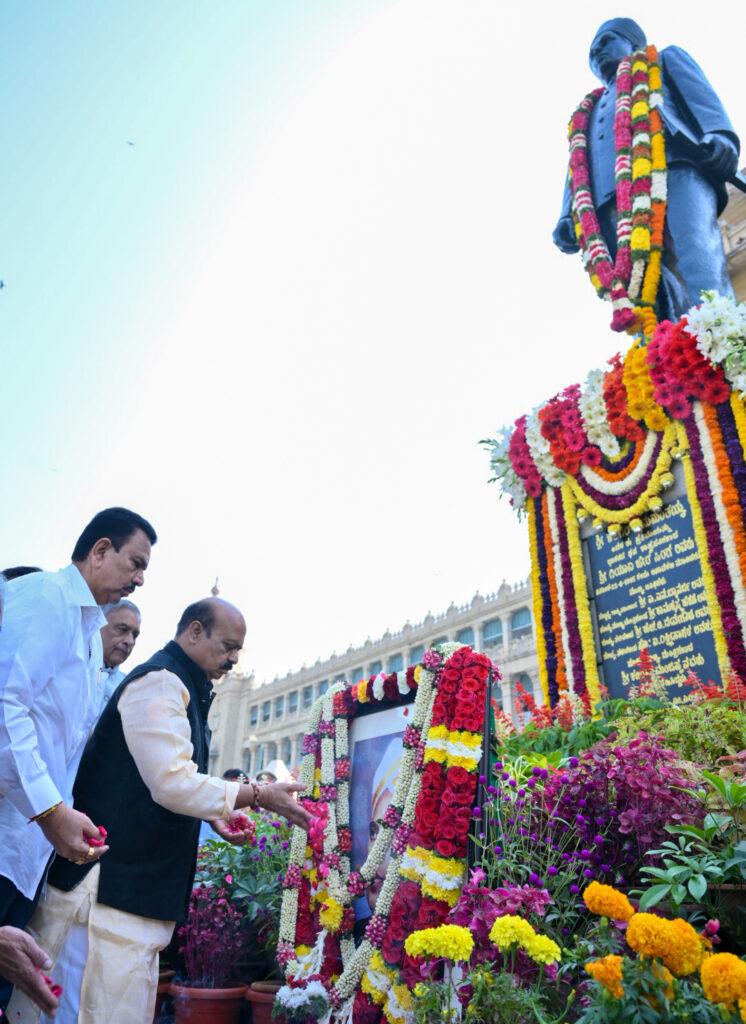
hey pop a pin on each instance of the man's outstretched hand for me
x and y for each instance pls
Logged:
(278, 798)
(73, 835)
(21, 962)
(238, 829)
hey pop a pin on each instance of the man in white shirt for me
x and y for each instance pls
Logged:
(144, 777)
(118, 637)
(50, 660)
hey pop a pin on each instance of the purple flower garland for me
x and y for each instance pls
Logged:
(734, 449)
(622, 501)
(550, 637)
(571, 610)
(718, 563)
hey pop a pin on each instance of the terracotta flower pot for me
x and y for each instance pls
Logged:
(164, 984)
(261, 995)
(207, 1005)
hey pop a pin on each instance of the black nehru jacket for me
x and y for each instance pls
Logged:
(149, 868)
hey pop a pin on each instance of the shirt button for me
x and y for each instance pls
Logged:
(601, 135)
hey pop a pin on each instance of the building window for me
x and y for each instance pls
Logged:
(465, 636)
(356, 674)
(375, 668)
(439, 640)
(292, 702)
(416, 654)
(396, 663)
(492, 633)
(259, 761)
(254, 715)
(520, 624)
(286, 750)
(307, 696)
(280, 706)
(340, 678)
(266, 710)
(323, 687)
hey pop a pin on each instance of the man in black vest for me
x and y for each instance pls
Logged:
(144, 777)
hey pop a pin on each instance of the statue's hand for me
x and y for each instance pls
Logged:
(720, 155)
(563, 235)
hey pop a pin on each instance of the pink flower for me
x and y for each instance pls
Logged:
(229, 879)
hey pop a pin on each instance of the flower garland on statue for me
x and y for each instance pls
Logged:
(631, 280)
(326, 975)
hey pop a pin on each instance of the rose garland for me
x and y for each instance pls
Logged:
(325, 972)
(640, 178)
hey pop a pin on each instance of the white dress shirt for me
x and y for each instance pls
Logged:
(158, 735)
(109, 681)
(50, 661)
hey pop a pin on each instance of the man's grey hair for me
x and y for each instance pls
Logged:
(124, 603)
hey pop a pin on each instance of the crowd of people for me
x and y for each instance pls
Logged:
(104, 788)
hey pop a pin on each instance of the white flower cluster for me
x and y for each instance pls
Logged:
(539, 448)
(502, 468)
(593, 414)
(719, 325)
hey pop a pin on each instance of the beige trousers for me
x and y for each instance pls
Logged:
(105, 959)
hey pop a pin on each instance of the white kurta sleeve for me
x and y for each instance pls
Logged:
(30, 646)
(158, 735)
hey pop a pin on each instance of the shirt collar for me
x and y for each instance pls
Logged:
(81, 594)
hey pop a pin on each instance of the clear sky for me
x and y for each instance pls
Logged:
(272, 268)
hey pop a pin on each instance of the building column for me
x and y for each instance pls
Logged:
(507, 691)
(477, 627)
(506, 635)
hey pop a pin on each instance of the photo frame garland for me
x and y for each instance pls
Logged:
(425, 830)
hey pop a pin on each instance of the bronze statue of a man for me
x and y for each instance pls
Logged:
(702, 155)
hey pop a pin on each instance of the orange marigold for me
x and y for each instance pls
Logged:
(650, 935)
(607, 971)
(724, 979)
(688, 949)
(606, 901)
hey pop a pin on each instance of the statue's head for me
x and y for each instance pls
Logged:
(614, 40)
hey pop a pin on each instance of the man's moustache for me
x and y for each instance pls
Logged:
(226, 666)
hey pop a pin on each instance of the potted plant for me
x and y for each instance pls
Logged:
(210, 944)
(252, 877)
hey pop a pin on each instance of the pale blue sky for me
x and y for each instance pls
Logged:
(278, 324)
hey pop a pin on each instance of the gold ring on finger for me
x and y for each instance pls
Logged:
(91, 852)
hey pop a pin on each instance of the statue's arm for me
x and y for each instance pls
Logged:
(705, 114)
(563, 235)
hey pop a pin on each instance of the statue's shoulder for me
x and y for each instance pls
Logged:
(674, 56)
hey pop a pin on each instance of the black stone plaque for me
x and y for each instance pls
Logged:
(646, 590)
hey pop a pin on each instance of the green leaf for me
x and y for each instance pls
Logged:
(697, 886)
(654, 895)
(678, 893)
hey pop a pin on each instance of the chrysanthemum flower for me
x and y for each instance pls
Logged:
(543, 950)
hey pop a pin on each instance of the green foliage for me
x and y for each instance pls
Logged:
(496, 999)
(646, 1001)
(699, 732)
(687, 870)
(555, 739)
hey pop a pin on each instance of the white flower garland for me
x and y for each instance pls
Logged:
(540, 453)
(593, 413)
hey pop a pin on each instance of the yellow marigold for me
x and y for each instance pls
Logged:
(724, 979)
(543, 950)
(511, 930)
(450, 941)
(742, 1008)
(331, 914)
(606, 901)
(650, 935)
(685, 956)
(607, 972)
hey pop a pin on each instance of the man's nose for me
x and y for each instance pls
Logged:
(139, 578)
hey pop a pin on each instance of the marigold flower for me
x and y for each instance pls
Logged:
(687, 951)
(724, 979)
(606, 901)
(511, 930)
(543, 950)
(650, 935)
(450, 941)
(607, 971)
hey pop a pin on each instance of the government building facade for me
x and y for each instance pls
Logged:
(253, 725)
